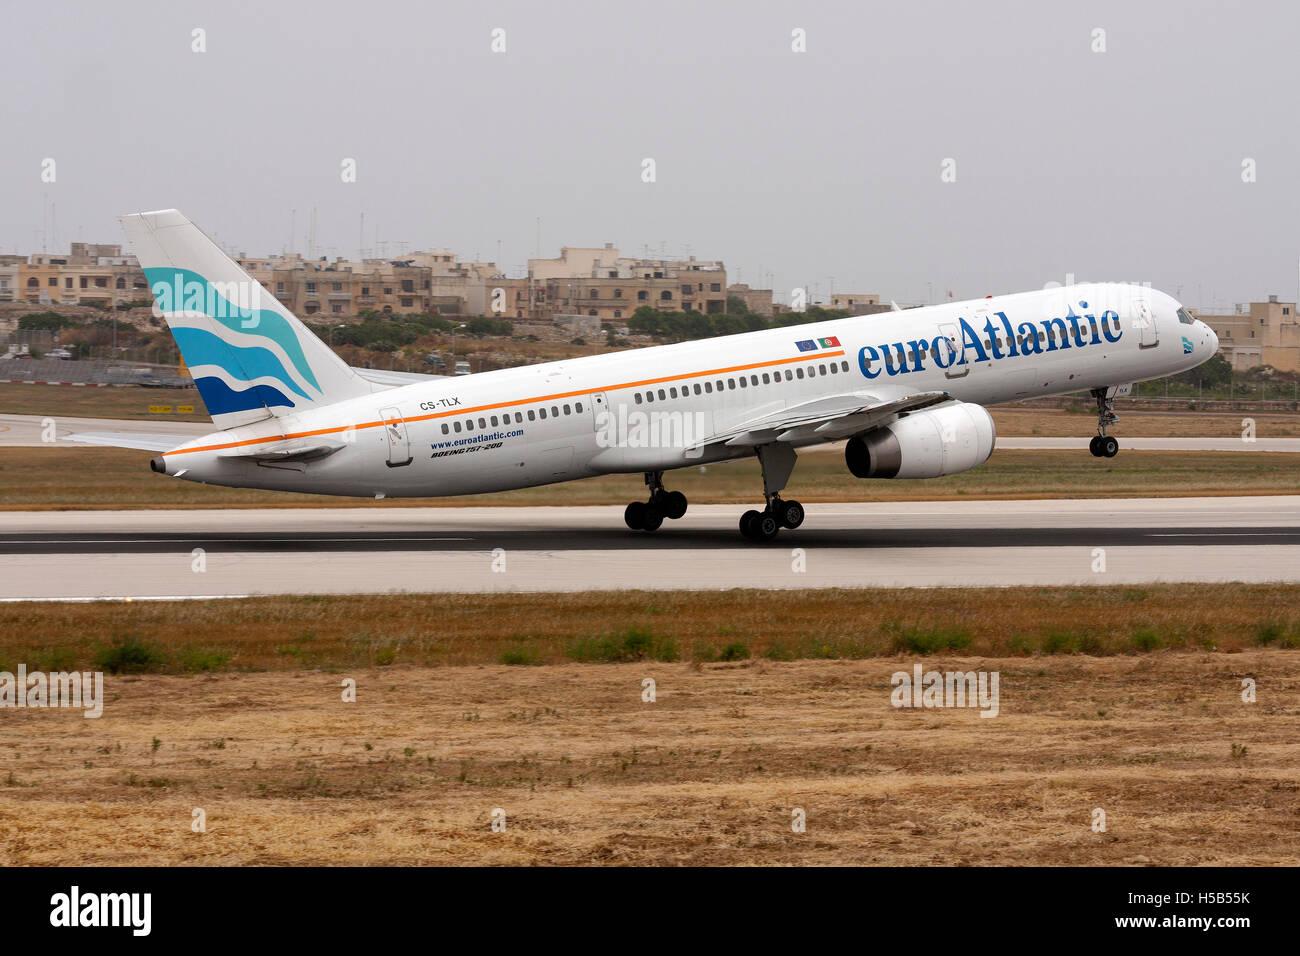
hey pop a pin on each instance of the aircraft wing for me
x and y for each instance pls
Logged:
(142, 441)
(384, 377)
(827, 418)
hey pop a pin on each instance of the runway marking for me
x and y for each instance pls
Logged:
(812, 357)
(1227, 534)
(125, 599)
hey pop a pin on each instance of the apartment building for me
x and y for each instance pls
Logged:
(89, 274)
(1258, 333)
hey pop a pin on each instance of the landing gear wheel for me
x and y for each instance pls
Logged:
(1094, 446)
(653, 519)
(788, 513)
(746, 522)
(764, 527)
(634, 515)
(673, 504)
(1109, 446)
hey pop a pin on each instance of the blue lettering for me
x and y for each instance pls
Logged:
(865, 360)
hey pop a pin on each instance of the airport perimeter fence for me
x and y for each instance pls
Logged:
(71, 372)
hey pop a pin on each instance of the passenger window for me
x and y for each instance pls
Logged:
(532, 415)
(469, 425)
(577, 407)
(445, 428)
(708, 387)
(844, 366)
(731, 384)
(662, 396)
(721, 386)
(834, 368)
(568, 410)
(697, 388)
(753, 380)
(519, 418)
(637, 397)
(672, 392)
(494, 421)
(555, 411)
(456, 425)
(743, 383)
(649, 396)
(482, 423)
(812, 371)
(822, 369)
(542, 412)
(789, 375)
(767, 380)
(798, 373)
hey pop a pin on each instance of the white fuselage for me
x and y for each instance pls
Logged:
(654, 409)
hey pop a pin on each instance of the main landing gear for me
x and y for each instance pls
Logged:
(778, 462)
(649, 515)
(1103, 445)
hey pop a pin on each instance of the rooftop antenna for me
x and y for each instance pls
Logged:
(293, 229)
(361, 240)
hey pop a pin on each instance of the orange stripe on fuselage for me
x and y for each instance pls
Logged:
(335, 429)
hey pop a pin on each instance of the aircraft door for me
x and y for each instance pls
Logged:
(950, 334)
(399, 442)
(1144, 321)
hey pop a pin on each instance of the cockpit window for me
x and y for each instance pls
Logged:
(1185, 318)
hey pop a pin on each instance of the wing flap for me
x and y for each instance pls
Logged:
(827, 418)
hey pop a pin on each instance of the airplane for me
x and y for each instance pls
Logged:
(906, 390)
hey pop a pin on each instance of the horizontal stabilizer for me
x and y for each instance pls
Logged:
(137, 440)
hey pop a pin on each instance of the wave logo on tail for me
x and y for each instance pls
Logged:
(241, 356)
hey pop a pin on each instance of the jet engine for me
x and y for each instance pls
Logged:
(936, 441)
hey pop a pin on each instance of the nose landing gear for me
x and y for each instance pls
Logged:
(649, 515)
(1103, 445)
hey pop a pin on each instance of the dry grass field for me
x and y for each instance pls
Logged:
(1012, 420)
(345, 631)
(710, 773)
(113, 478)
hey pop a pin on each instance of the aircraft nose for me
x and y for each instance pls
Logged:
(1213, 339)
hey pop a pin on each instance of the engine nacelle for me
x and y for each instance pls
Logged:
(929, 443)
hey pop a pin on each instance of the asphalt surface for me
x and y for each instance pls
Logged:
(155, 554)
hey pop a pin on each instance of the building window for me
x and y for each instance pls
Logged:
(336, 286)
(594, 294)
(311, 288)
(279, 287)
(715, 286)
(666, 295)
(337, 308)
(641, 296)
(618, 293)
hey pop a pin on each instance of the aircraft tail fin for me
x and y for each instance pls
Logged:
(251, 357)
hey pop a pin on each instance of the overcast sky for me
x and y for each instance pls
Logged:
(1118, 165)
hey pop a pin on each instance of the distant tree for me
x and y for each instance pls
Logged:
(45, 321)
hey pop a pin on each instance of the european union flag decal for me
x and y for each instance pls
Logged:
(807, 346)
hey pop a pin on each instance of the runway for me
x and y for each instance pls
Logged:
(182, 554)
